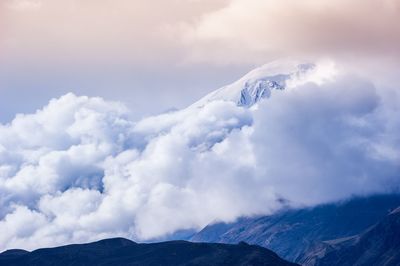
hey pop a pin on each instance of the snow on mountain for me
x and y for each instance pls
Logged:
(222, 104)
(259, 83)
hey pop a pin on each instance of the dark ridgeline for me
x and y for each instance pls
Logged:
(120, 251)
(361, 231)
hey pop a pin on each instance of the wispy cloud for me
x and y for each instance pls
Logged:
(24, 4)
(258, 30)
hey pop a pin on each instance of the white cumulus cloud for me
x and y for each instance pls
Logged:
(81, 169)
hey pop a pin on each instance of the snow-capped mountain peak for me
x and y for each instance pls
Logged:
(258, 83)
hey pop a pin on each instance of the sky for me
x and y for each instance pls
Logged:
(173, 52)
(96, 142)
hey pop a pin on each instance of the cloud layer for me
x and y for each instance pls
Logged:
(223, 31)
(256, 30)
(81, 169)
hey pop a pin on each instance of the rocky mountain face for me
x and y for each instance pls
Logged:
(292, 234)
(120, 251)
(378, 245)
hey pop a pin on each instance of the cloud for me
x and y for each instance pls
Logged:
(321, 143)
(81, 169)
(223, 31)
(258, 30)
(24, 4)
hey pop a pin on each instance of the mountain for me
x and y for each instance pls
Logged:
(259, 83)
(120, 251)
(378, 246)
(293, 233)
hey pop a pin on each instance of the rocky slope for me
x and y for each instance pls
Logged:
(378, 245)
(293, 233)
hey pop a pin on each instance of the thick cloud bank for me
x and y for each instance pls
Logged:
(80, 169)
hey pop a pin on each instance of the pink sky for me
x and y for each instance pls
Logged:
(177, 49)
(182, 31)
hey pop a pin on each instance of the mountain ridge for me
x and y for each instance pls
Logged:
(259, 83)
(121, 251)
(292, 233)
